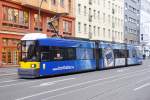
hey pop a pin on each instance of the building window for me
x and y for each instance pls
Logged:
(10, 14)
(15, 17)
(79, 8)
(98, 15)
(90, 2)
(85, 11)
(85, 28)
(98, 2)
(53, 2)
(104, 3)
(126, 5)
(104, 17)
(62, 3)
(109, 19)
(104, 32)
(113, 22)
(98, 31)
(108, 4)
(67, 27)
(109, 34)
(79, 27)
(37, 22)
(70, 6)
(142, 37)
(94, 28)
(94, 14)
(90, 29)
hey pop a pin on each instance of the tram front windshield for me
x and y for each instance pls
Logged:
(29, 51)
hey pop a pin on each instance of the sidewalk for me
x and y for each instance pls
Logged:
(9, 66)
(8, 71)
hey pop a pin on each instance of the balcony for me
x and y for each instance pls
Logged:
(46, 6)
(17, 1)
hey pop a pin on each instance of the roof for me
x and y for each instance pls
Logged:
(34, 36)
(111, 45)
(66, 43)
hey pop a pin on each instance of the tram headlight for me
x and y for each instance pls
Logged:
(33, 65)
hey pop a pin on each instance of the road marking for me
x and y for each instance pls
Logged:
(97, 84)
(2, 86)
(75, 85)
(143, 80)
(122, 70)
(8, 74)
(8, 81)
(142, 86)
(53, 82)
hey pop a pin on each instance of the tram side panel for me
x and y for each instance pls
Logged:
(84, 61)
(119, 57)
(106, 56)
(134, 57)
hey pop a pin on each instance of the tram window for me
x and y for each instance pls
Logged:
(126, 53)
(45, 53)
(122, 53)
(70, 53)
(100, 53)
(59, 53)
(45, 56)
(119, 53)
(134, 53)
(116, 53)
(85, 53)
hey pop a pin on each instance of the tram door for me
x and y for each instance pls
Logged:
(10, 56)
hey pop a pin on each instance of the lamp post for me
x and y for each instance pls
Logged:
(144, 32)
(126, 52)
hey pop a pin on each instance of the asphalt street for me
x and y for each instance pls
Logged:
(128, 83)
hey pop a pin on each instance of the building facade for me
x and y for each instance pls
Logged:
(19, 17)
(145, 26)
(132, 21)
(100, 20)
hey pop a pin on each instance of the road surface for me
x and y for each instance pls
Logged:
(129, 83)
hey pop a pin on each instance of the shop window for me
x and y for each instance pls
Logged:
(4, 56)
(10, 42)
(15, 56)
(9, 56)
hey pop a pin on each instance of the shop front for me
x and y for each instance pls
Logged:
(9, 52)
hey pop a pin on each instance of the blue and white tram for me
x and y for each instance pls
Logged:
(55, 56)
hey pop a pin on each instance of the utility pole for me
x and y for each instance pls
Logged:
(54, 18)
(39, 13)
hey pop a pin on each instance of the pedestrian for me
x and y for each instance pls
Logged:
(144, 56)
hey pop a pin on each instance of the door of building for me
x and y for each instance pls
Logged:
(10, 56)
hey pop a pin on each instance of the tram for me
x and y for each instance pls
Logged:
(42, 56)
